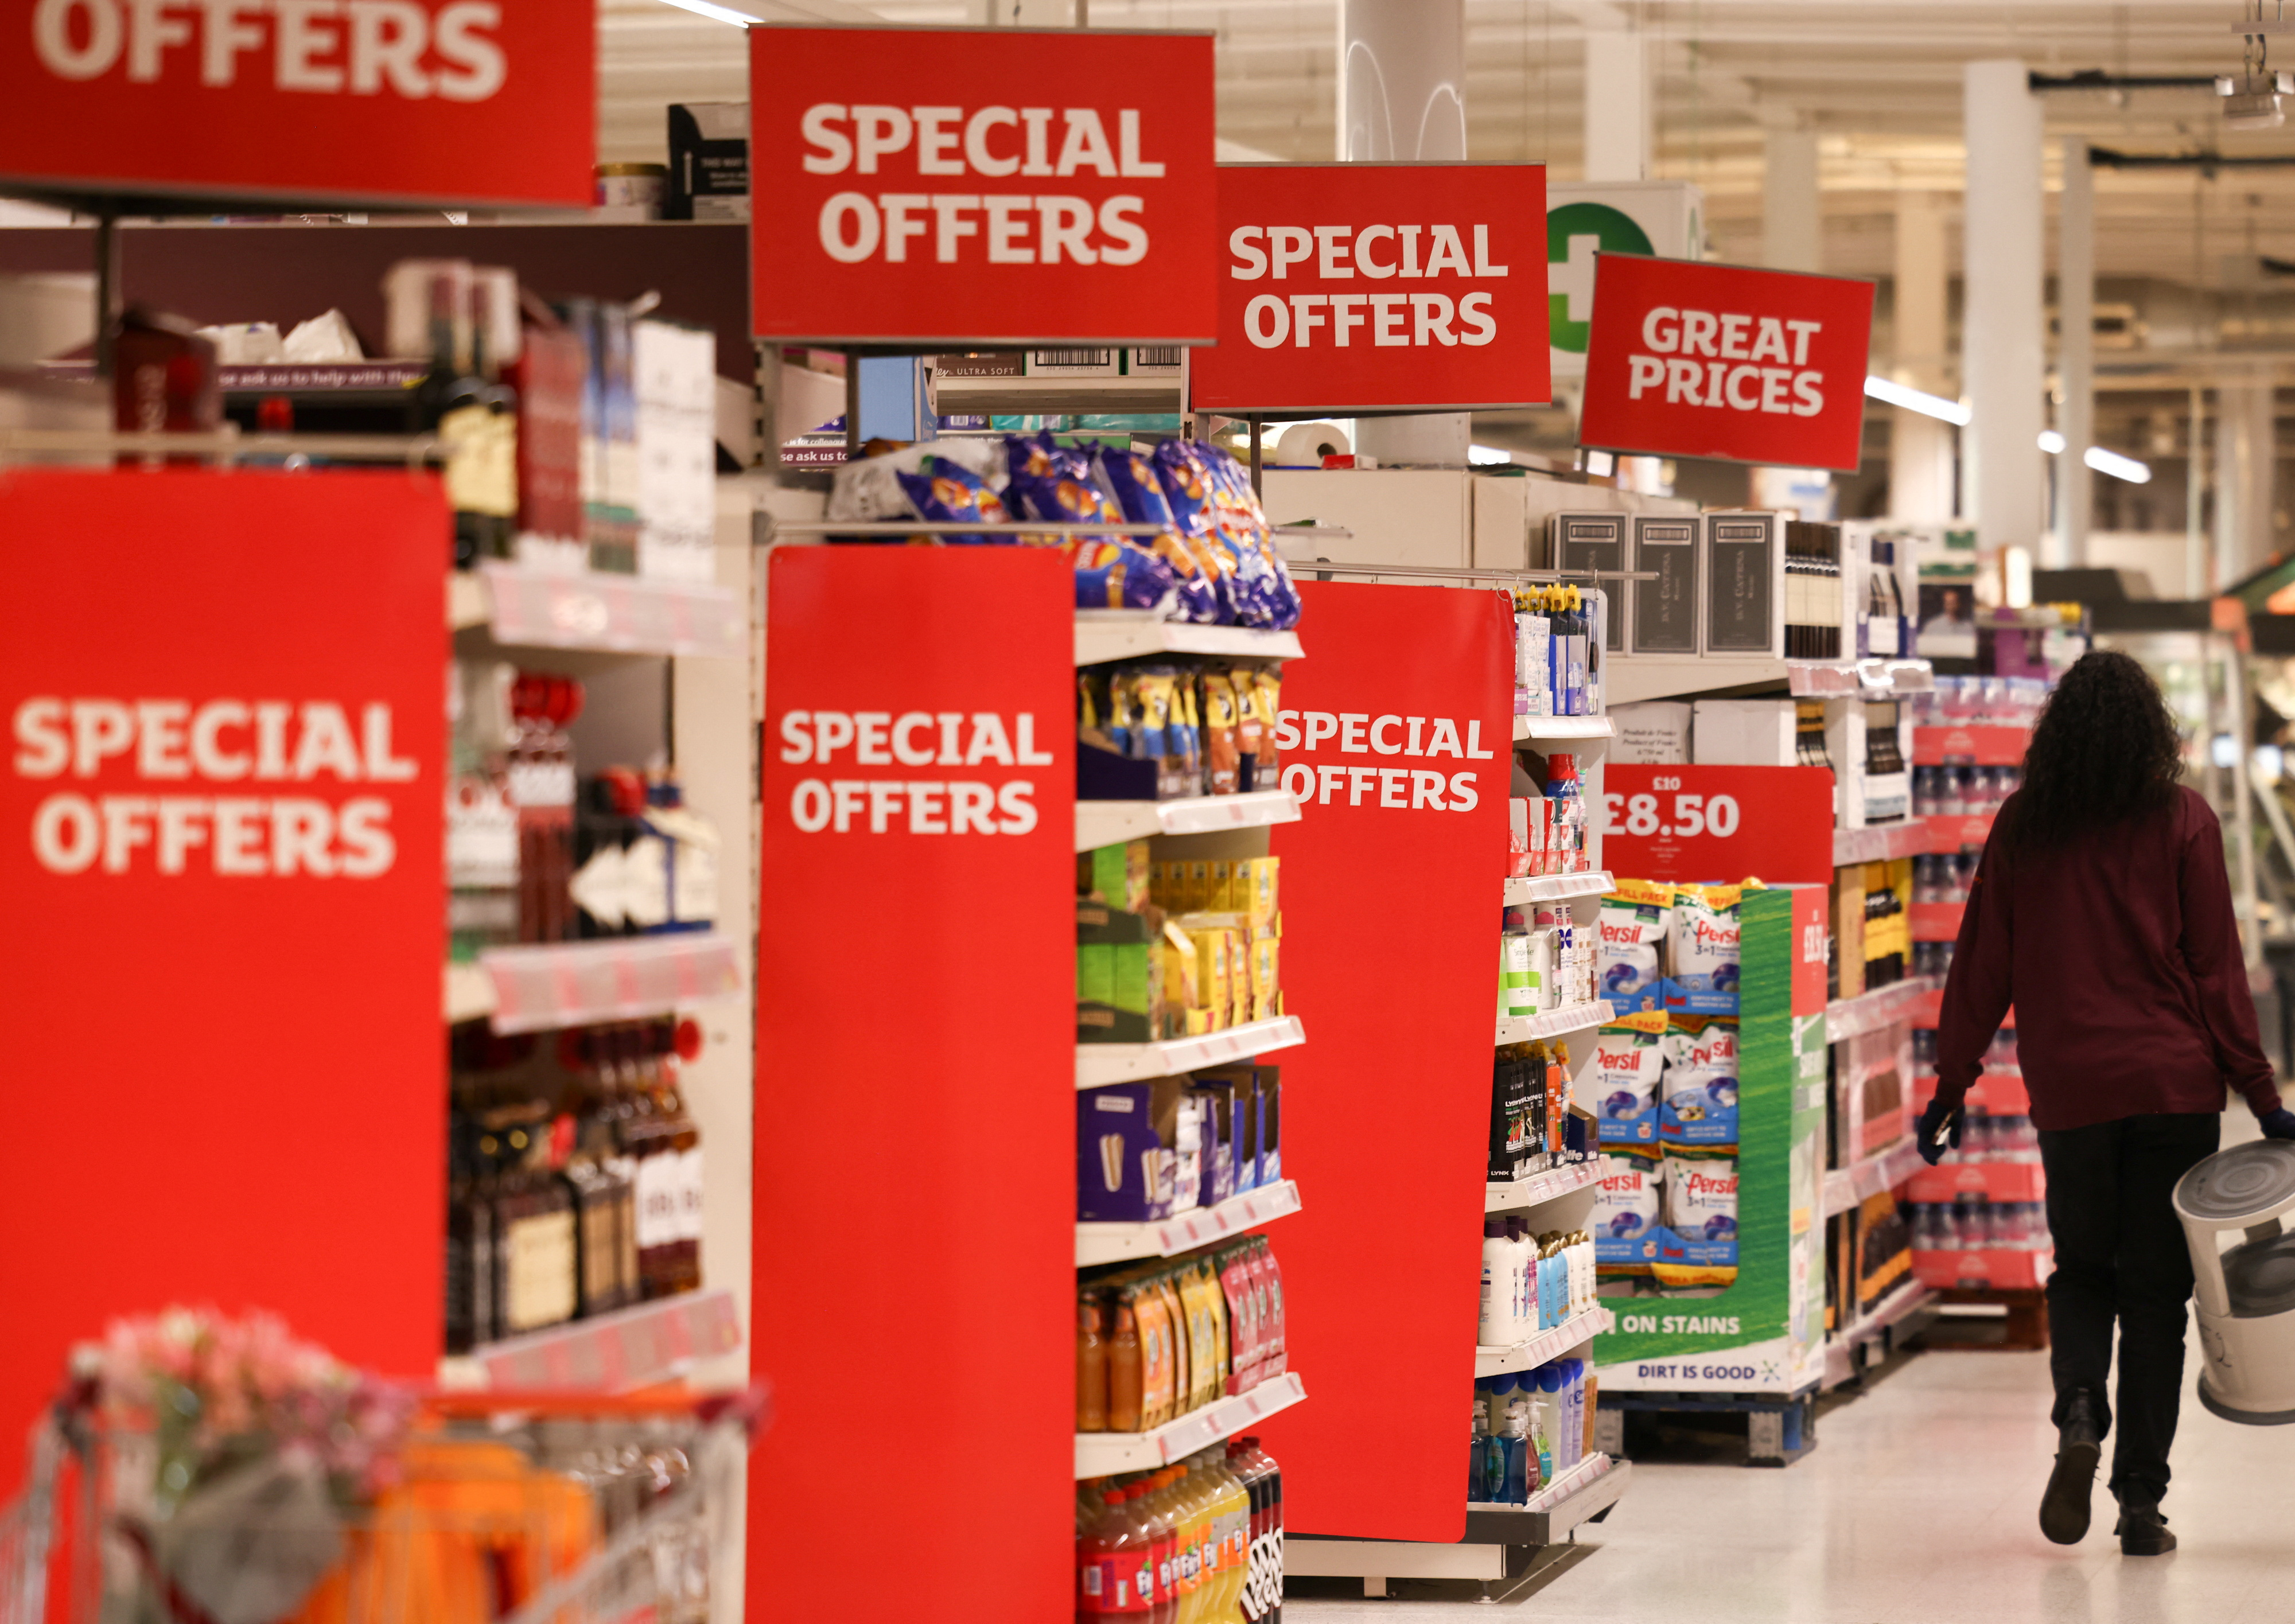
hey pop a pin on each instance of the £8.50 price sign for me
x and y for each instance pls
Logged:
(1718, 824)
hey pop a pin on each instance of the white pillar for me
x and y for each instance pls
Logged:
(2075, 354)
(2244, 468)
(1922, 448)
(1402, 72)
(1793, 204)
(1617, 104)
(2002, 352)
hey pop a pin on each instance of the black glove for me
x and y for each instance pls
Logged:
(1938, 1114)
(2279, 1124)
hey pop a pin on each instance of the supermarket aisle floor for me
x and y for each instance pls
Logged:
(1918, 1507)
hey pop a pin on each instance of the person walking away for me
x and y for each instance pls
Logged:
(2102, 911)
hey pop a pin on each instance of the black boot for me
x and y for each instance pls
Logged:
(2064, 1508)
(2143, 1531)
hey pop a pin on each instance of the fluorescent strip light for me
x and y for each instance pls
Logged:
(2051, 442)
(2118, 467)
(715, 13)
(1487, 456)
(1915, 400)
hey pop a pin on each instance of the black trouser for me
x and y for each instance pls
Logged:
(2121, 1253)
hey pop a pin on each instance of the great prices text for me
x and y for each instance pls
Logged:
(326, 47)
(979, 222)
(878, 804)
(232, 787)
(1431, 739)
(1715, 359)
(1381, 318)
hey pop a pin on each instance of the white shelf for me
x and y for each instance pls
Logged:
(1518, 1195)
(1026, 397)
(1555, 887)
(1845, 1186)
(1909, 1298)
(1554, 1023)
(1850, 1017)
(1099, 1454)
(1879, 841)
(620, 978)
(1562, 727)
(635, 1347)
(470, 993)
(1098, 1065)
(526, 608)
(1185, 1231)
(1637, 678)
(1100, 823)
(1124, 634)
(1587, 1489)
(1875, 679)
(1545, 1345)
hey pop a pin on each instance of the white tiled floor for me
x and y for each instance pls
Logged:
(1919, 1505)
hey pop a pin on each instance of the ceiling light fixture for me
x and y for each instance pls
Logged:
(2250, 99)
(1952, 412)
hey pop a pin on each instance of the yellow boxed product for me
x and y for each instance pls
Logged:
(1255, 889)
(1265, 991)
(1213, 970)
(1182, 982)
(1196, 1023)
(1216, 887)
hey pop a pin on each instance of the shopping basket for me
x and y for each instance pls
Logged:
(504, 1508)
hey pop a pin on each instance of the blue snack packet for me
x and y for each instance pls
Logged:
(1062, 498)
(1115, 575)
(953, 494)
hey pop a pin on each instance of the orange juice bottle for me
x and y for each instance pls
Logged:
(1191, 1509)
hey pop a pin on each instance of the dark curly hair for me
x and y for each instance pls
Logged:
(2105, 750)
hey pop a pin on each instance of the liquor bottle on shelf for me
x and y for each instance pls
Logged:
(471, 1255)
(535, 1215)
(542, 788)
(482, 829)
(433, 297)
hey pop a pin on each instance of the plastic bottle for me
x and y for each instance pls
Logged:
(1265, 1477)
(1154, 1571)
(1541, 1424)
(1235, 1529)
(1111, 1554)
(1525, 1278)
(1495, 1328)
(1190, 1512)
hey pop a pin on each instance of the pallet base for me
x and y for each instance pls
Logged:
(2025, 1328)
(1780, 1428)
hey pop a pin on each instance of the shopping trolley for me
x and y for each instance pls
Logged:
(502, 1508)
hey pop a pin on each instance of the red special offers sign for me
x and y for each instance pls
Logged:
(981, 187)
(1691, 360)
(444, 101)
(1378, 287)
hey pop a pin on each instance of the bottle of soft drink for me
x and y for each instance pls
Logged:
(1163, 1540)
(1114, 1556)
(1264, 1590)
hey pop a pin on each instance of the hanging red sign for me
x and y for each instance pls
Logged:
(1692, 360)
(1378, 287)
(981, 187)
(1396, 737)
(915, 1065)
(220, 828)
(447, 102)
(1718, 825)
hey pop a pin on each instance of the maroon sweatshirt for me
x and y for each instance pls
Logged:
(2121, 954)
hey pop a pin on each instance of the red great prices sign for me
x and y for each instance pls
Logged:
(444, 101)
(1690, 359)
(1378, 287)
(992, 187)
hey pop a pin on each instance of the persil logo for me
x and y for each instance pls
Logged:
(327, 47)
(1709, 933)
(1711, 1185)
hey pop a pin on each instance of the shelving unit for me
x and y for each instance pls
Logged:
(1100, 823)
(1099, 1454)
(1935, 921)
(1552, 1345)
(1181, 1232)
(1635, 679)
(1577, 1495)
(1559, 728)
(1524, 889)
(1879, 841)
(623, 978)
(1098, 1064)
(1898, 1314)
(1521, 1195)
(1850, 1017)
(1877, 1175)
(526, 608)
(1128, 635)
(635, 1347)
(1553, 1023)
(1950, 833)
(1036, 396)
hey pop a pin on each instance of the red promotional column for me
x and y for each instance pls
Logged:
(219, 843)
(915, 1209)
(1397, 743)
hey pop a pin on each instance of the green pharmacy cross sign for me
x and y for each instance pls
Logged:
(1575, 233)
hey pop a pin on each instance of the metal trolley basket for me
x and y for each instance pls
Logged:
(507, 1508)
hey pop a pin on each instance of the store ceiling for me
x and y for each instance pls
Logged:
(1880, 79)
